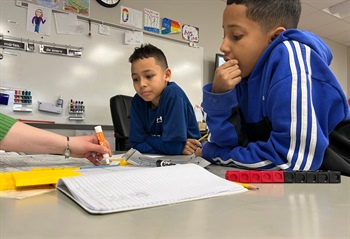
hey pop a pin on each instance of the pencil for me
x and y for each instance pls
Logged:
(203, 137)
(248, 186)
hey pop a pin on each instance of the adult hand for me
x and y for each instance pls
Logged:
(88, 147)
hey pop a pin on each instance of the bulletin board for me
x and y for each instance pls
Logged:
(101, 72)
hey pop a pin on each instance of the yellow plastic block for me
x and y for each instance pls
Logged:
(120, 162)
(6, 181)
(48, 169)
(41, 177)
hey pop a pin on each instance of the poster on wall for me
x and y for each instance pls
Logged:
(39, 19)
(53, 4)
(151, 21)
(68, 24)
(170, 26)
(80, 7)
(131, 17)
(190, 33)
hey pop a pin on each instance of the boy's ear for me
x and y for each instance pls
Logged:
(167, 74)
(276, 32)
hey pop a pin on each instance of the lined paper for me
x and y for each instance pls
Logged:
(109, 192)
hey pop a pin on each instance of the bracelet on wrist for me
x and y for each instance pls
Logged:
(67, 150)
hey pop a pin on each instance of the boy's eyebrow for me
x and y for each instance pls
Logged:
(233, 25)
(145, 71)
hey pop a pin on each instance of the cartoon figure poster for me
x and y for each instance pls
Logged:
(39, 19)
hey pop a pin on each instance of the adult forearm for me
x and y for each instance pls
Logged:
(30, 139)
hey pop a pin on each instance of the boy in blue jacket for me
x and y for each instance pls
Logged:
(275, 103)
(162, 119)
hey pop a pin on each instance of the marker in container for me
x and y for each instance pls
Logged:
(102, 141)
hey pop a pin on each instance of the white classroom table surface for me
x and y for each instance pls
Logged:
(274, 211)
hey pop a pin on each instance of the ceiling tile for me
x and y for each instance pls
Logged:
(307, 9)
(333, 28)
(315, 20)
(342, 38)
(321, 4)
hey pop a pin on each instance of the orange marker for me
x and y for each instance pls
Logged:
(102, 141)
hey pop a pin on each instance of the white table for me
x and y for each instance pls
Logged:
(274, 211)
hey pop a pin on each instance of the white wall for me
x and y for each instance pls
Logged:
(209, 21)
(340, 64)
(348, 92)
(207, 15)
(102, 72)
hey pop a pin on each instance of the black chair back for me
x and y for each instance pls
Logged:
(120, 106)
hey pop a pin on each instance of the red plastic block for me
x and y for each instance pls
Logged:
(233, 176)
(238, 176)
(278, 176)
(245, 176)
(255, 176)
(266, 177)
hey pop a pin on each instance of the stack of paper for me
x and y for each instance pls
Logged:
(109, 192)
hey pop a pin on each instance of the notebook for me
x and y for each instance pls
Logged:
(109, 192)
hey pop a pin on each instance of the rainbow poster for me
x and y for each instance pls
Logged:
(170, 26)
(130, 17)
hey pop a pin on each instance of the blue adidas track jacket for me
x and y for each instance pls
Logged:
(281, 115)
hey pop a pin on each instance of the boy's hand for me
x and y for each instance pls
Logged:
(227, 76)
(191, 146)
(198, 152)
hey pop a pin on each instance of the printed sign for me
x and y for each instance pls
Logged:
(12, 44)
(60, 51)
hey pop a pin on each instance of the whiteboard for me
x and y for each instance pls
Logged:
(102, 72)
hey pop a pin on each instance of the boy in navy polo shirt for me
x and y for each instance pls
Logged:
(162, 119)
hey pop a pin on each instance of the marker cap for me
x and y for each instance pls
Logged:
(98, 130)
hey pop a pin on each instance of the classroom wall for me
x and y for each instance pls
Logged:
(348, 60)
(210, 29)
(102, 72)
(340, 63)
(209, 21)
